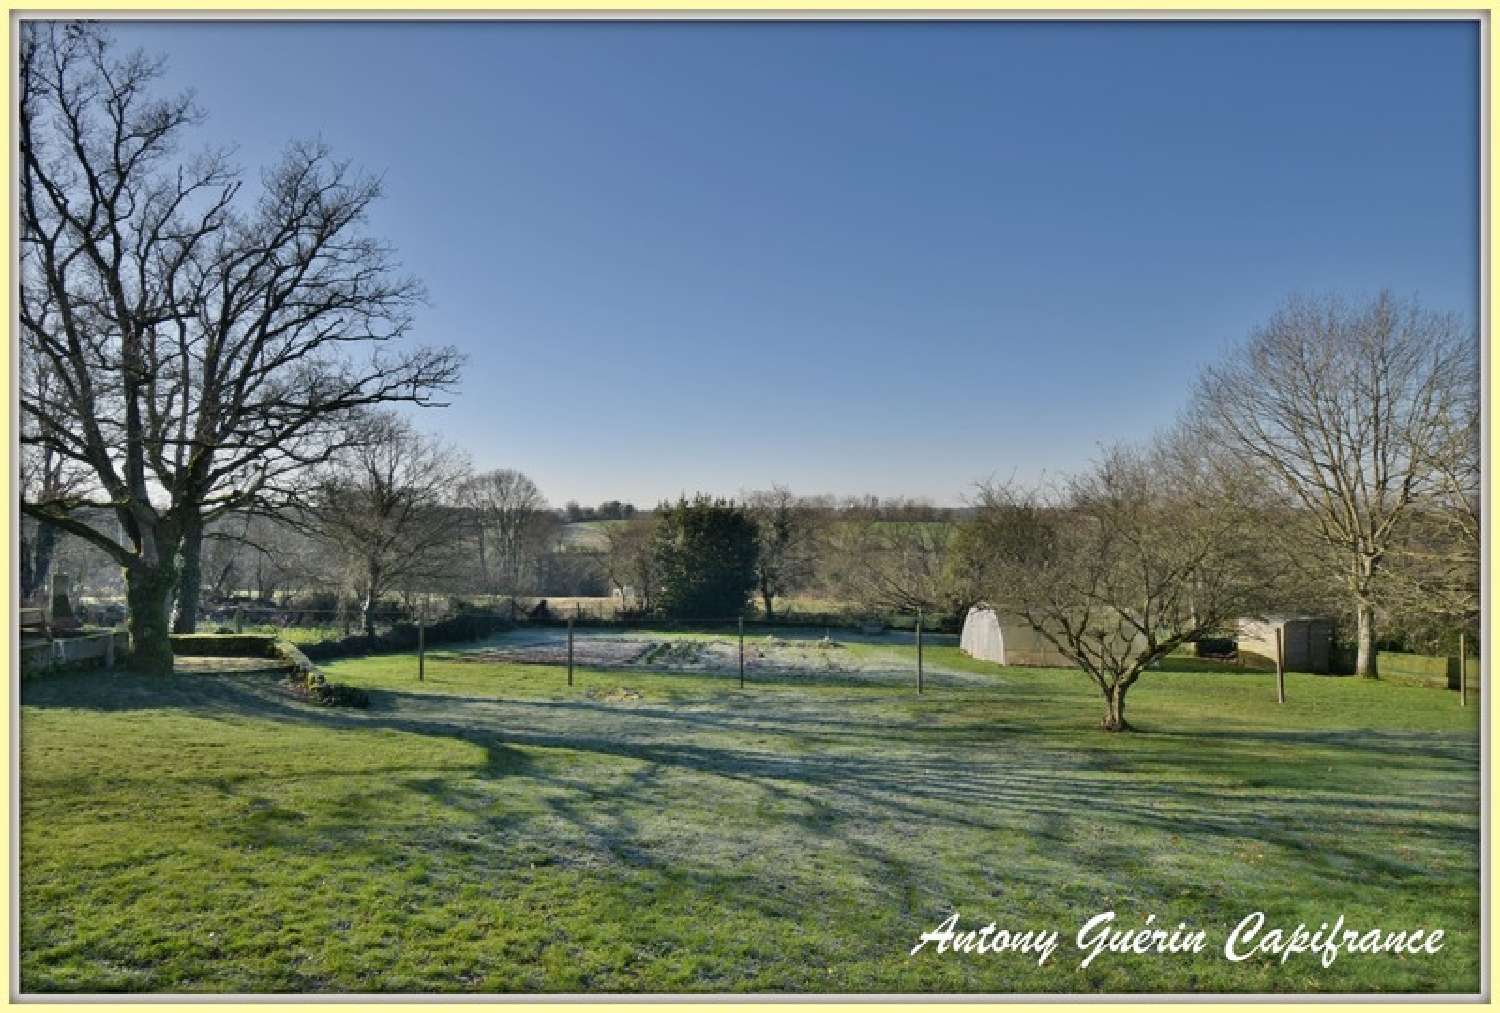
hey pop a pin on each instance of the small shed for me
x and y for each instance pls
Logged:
(1307, 642)
(994, 636)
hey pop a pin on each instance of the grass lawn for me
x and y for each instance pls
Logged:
(492, 829)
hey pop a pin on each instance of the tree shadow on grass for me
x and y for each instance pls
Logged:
(851, 774)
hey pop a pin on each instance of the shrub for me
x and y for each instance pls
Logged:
(705, 552)
(333, 694)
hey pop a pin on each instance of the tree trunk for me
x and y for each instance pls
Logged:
(484, 565)
(190, 580)
(768, 597)
(1365, 663)
(1114, 710)
(36, 558)
(367, 610)
(148, 591)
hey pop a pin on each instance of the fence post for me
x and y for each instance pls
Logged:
(109, 651)
(1463, 671)
(742, 652)
(919, 651)
(1280, 668)
(239, 620)
(570, 650)
(421, 645)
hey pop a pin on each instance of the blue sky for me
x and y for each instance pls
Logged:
(882, 257)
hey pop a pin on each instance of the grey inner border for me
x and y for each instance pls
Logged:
(12, 590)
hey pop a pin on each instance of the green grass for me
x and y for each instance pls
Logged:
(301, 634)
(491, 829)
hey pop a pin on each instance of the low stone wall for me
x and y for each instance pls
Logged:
(84, 650)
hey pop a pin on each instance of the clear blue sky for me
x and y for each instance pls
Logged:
(884, 257)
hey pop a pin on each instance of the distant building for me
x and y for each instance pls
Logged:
(1307, 642)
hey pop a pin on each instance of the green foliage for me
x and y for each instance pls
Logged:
(706, 552)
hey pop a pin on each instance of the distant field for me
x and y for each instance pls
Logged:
(656, 828)
(587, 535)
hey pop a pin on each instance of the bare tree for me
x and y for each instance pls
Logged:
(1341, 408)
(200, 353)
(1141, 553)
(45, 476)
(388, 507)
(879, 563)
(788, 543)
(1433, 570)
(505, 507)
(630, 561)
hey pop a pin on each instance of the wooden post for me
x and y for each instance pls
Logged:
(421, 645)
(919, 651)
(1462, 671)
(570, 650)
(1280, 667)
(742, 652)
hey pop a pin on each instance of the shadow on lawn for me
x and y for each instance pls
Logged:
(842, 776)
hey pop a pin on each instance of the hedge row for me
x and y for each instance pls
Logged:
(224, 645)
(403, 636)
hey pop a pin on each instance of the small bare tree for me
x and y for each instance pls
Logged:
(1141, 553)
(880, 563)
(388, 507)
(630, 561)
(505, 507)
(788, 543)
(1341, 409)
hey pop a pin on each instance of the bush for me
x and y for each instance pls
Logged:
(333, 694)
(315, 601)
(705, 552)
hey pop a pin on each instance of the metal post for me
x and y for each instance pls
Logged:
(919, 651)
(109, 650)
(570, 650)
(742, 652)
(239, 620)
(421, 645)
(1463, 671)
(1280, 668)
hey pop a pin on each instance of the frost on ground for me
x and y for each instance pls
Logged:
(782, 655)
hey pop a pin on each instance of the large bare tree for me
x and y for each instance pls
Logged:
(1433, 571)
(1143, 552)
(506, 508)
(1342, 408)
(388, 506)
(201, 350)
